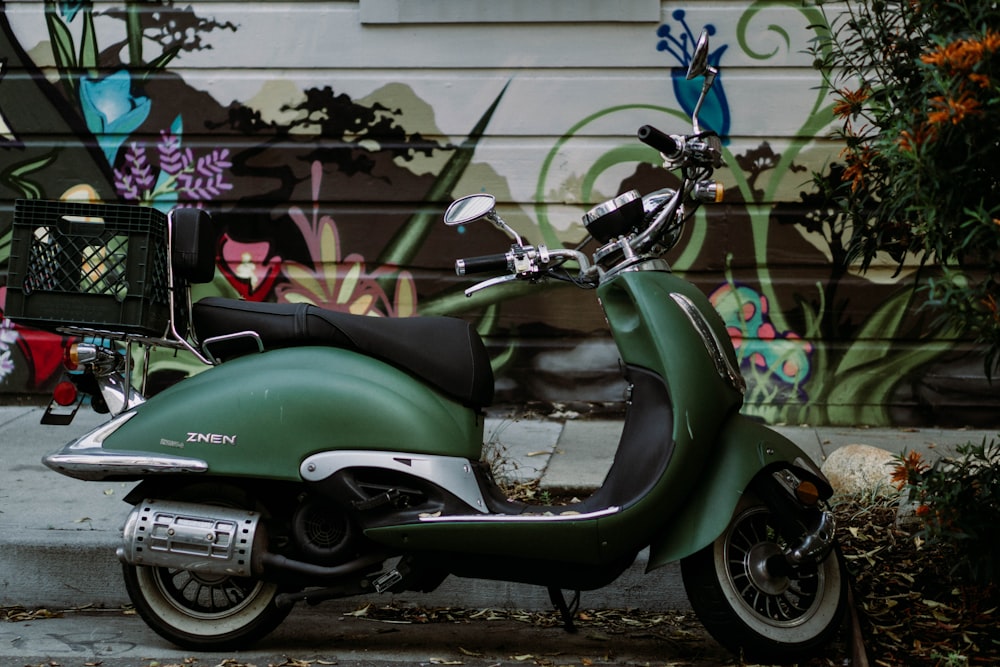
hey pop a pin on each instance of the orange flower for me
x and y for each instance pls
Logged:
(980, 80)
(962, 54)
(990, 303)
(922, 510)
(850, 103)
(858, 165)
(912, 142)
(991, 41)
(912, 464)
(953, 110)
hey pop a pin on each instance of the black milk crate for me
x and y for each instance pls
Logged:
(91, 266)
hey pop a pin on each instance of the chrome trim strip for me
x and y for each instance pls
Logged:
(520, 518)
(95, 438)
(723, 365)
(99, 464)
(451, 473)
(85, 458)
(610, 206)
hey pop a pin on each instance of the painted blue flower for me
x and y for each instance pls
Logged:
(111, 111)
(715, 112)
(70, 8)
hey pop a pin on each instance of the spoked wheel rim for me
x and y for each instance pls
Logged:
(771, 603)
(205, 597)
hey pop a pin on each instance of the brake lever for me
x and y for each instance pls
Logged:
(498, 280)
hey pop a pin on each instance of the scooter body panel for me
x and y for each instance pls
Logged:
(667, 326)
(260, 415)
(742, 450)
(654, 331)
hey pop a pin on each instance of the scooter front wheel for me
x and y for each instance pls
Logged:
(203, 612)
(762, 616)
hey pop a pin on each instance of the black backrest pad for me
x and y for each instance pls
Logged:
(193, 241)
(444, 351)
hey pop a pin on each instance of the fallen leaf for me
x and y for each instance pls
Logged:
(357, 613)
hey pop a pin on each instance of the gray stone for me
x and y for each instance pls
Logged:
(861, 469)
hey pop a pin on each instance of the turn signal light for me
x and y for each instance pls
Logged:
(710, 192)
(65, 393)
(71, 357)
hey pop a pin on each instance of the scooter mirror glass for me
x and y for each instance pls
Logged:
(469, 208)
(699, 61)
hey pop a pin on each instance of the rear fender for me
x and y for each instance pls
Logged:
(261, 415)
(745, 456)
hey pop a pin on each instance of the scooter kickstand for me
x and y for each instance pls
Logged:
(567, 611)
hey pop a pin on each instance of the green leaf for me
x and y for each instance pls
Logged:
(404, 246)
(133, 27)
(16, 176)
(5, 247)
(161, 61)
(62, 46)
(871, 342)
(88, 43)
(454, 302)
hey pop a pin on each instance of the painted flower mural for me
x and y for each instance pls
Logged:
(8, 338)
(326, 195)
(112, 111)
(181, 176)
(761, 349)
(336, 281)
(679, 41)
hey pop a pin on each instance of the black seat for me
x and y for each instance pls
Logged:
(444, 351)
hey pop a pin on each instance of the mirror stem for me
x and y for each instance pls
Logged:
(710, 74)
(495, 218)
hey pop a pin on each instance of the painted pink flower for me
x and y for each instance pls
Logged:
(249, 267)
(337, 282)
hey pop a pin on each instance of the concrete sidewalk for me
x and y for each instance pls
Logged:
(58, 535)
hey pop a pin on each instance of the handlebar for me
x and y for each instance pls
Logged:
(482, 264)
(662, 142)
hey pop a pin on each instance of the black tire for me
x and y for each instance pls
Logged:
(206, 613)
(754, 614)
(201, 611)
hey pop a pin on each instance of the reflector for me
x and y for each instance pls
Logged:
(65, 393)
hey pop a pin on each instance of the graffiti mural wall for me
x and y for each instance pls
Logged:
(327, 138)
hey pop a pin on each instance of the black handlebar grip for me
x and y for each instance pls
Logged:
(482, 264)
(664, 143)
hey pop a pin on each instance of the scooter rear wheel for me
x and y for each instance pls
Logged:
(756, 614)
(203, 612)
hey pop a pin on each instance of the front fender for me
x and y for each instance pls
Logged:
(745, 449)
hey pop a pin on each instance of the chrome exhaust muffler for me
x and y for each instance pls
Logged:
(201, 538)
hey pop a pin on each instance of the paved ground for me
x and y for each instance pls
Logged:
(335, 635)
(58, 535)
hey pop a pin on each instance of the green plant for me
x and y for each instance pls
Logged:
(917, 94)
(958, 502)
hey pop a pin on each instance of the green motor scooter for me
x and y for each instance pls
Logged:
(323, 455)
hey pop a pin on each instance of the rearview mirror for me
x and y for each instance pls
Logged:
(469, 209)
(699, 59)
